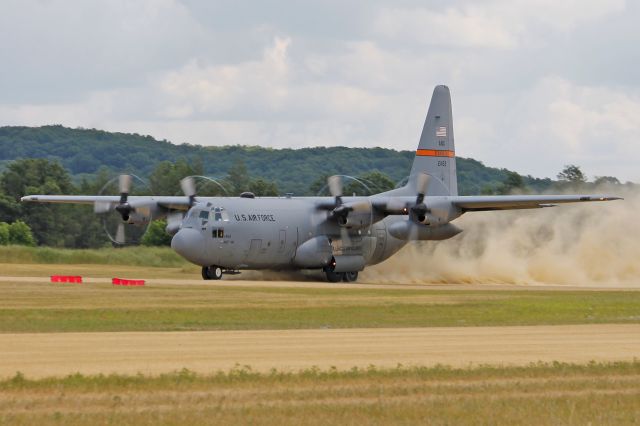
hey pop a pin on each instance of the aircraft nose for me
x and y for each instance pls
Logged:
(189, 244)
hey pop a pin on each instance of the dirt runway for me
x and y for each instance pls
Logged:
(237, 282)
(56, 354)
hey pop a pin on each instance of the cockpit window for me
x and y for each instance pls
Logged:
(204, 214)
(220, 214)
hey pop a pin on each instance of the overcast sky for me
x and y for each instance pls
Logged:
(535, 84)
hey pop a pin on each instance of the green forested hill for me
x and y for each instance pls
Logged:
(85, 151)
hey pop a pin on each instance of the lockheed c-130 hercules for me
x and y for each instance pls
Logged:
(340, 235)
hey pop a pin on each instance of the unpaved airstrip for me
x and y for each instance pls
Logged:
(143, 346)
(54, 354)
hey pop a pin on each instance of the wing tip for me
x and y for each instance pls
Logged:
(605, 198)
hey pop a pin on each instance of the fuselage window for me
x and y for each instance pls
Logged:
(217, 233)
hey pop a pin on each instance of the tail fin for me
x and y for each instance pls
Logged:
(436, 151)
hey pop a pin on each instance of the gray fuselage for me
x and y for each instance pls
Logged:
(265, 233)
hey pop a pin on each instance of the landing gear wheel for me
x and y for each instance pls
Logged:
(350, 277)
(211, 272)
(334, 277)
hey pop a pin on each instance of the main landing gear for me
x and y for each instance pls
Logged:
(211, 272)
(335, 277)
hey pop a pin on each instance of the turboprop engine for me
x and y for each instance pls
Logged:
(354, 215)
(426, 222)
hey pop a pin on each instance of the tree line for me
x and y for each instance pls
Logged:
(86, 152)
(77, 226)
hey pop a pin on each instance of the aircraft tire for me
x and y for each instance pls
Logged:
(211, 272)
(350, 277)
(334, 277)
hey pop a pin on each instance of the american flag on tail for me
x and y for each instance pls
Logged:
(441, 132)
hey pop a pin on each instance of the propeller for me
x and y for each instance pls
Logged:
(340, 210)
(335, 188)
(125, 211)
(121, 238)
(188, 186)
(175, 218)
(124, 208)
(420, 208)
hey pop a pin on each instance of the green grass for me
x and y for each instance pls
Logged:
(138, 256)
(538, 394)
(44, 307)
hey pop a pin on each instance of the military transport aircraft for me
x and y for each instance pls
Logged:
(339, 235)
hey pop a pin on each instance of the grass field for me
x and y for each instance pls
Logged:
(128, 256)
(536, 394)
(533, 395)
(47, 307)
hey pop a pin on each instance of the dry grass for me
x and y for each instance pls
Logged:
(534, 395)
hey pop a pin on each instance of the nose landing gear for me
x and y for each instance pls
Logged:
(211, 272)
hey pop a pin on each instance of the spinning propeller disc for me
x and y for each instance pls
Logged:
(119, 232)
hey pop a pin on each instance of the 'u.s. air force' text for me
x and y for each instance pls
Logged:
(254, 217)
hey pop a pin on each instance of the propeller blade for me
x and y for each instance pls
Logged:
(188, 186)
(174, 222)
(335, 185)
(344, 235)
(124, 183)
(413, 231)
(120, 234)
(102, 207)
(360, 207)
(422, 183)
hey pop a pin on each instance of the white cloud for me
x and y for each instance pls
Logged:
(64, 48)
(158, 67)
(211, 89)
(556, 122)
(498, 24)
(453, 27)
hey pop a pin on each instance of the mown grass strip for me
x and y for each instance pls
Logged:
(228, 308)
(133, 256)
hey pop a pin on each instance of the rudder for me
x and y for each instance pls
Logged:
(436, 151)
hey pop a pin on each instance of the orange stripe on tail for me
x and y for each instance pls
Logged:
(435, 153)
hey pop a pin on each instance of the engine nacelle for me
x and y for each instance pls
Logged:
(408, 230)
(314, 253)
(439, 213)
(139, 219)
(355, 220)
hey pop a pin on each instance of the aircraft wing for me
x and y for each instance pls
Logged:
(175, 202)
(513, 202)
(399, 205)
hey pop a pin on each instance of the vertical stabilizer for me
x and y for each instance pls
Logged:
(435, 155)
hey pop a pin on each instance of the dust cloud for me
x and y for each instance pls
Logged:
(587, 244)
